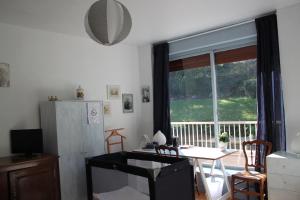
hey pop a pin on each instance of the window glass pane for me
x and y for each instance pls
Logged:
(236, 88)
(191, 95)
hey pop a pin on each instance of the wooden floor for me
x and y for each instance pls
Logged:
(200, 196)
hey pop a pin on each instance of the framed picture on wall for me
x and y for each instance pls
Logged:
(113, 91)
(146, 94)
(4, 75)
(106, 108)
(127, 101)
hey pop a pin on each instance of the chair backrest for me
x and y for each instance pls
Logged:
(255, 153)
(164, 150)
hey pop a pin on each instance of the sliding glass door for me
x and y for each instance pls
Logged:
(214, 93)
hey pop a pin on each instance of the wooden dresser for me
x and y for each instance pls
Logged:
(35, 178)
(283, 172)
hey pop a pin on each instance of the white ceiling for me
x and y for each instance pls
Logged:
(153, 20)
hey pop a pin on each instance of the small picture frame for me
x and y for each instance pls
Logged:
(106, 108)
(113, 91)
(4, 75)
(127, 102)
(146, 94)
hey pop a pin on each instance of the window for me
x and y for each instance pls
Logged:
(214, 93)
(236, 84)
(190, 80)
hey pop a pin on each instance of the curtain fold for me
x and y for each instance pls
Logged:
(271, 119)
(161, 107)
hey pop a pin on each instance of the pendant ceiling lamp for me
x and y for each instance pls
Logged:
(108, 22)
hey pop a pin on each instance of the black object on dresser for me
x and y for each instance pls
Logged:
(29, 178)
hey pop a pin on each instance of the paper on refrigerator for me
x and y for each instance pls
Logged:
(93, 110)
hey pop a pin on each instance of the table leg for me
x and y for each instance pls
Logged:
(224, 175)
(207, 191)
(195, 174)
(208, 194)
(212, 171)
(195, 166)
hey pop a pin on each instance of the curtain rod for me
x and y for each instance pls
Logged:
(211, 31)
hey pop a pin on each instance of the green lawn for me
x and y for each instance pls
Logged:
(231, 109)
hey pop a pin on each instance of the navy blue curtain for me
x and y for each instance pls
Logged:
(271, 120)
(161, 106)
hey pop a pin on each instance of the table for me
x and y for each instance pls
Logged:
(199, 155)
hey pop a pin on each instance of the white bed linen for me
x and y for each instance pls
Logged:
(125, 193)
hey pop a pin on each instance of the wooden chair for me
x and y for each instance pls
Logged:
(164, 150)
(257, 177)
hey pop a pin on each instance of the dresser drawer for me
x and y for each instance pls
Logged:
(285, 182)
(277, 194)
(283, 166)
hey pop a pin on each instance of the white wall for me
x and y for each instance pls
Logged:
(289, 42)
(145, 59)
(44, 63)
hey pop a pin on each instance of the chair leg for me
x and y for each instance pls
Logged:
(248, 189)
(262, 190)
(232, 187)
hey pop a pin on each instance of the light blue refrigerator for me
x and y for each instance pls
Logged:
(73, 130)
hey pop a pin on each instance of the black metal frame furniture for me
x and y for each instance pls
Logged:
(174, 181)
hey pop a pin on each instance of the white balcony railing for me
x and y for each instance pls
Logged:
(202, 134)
